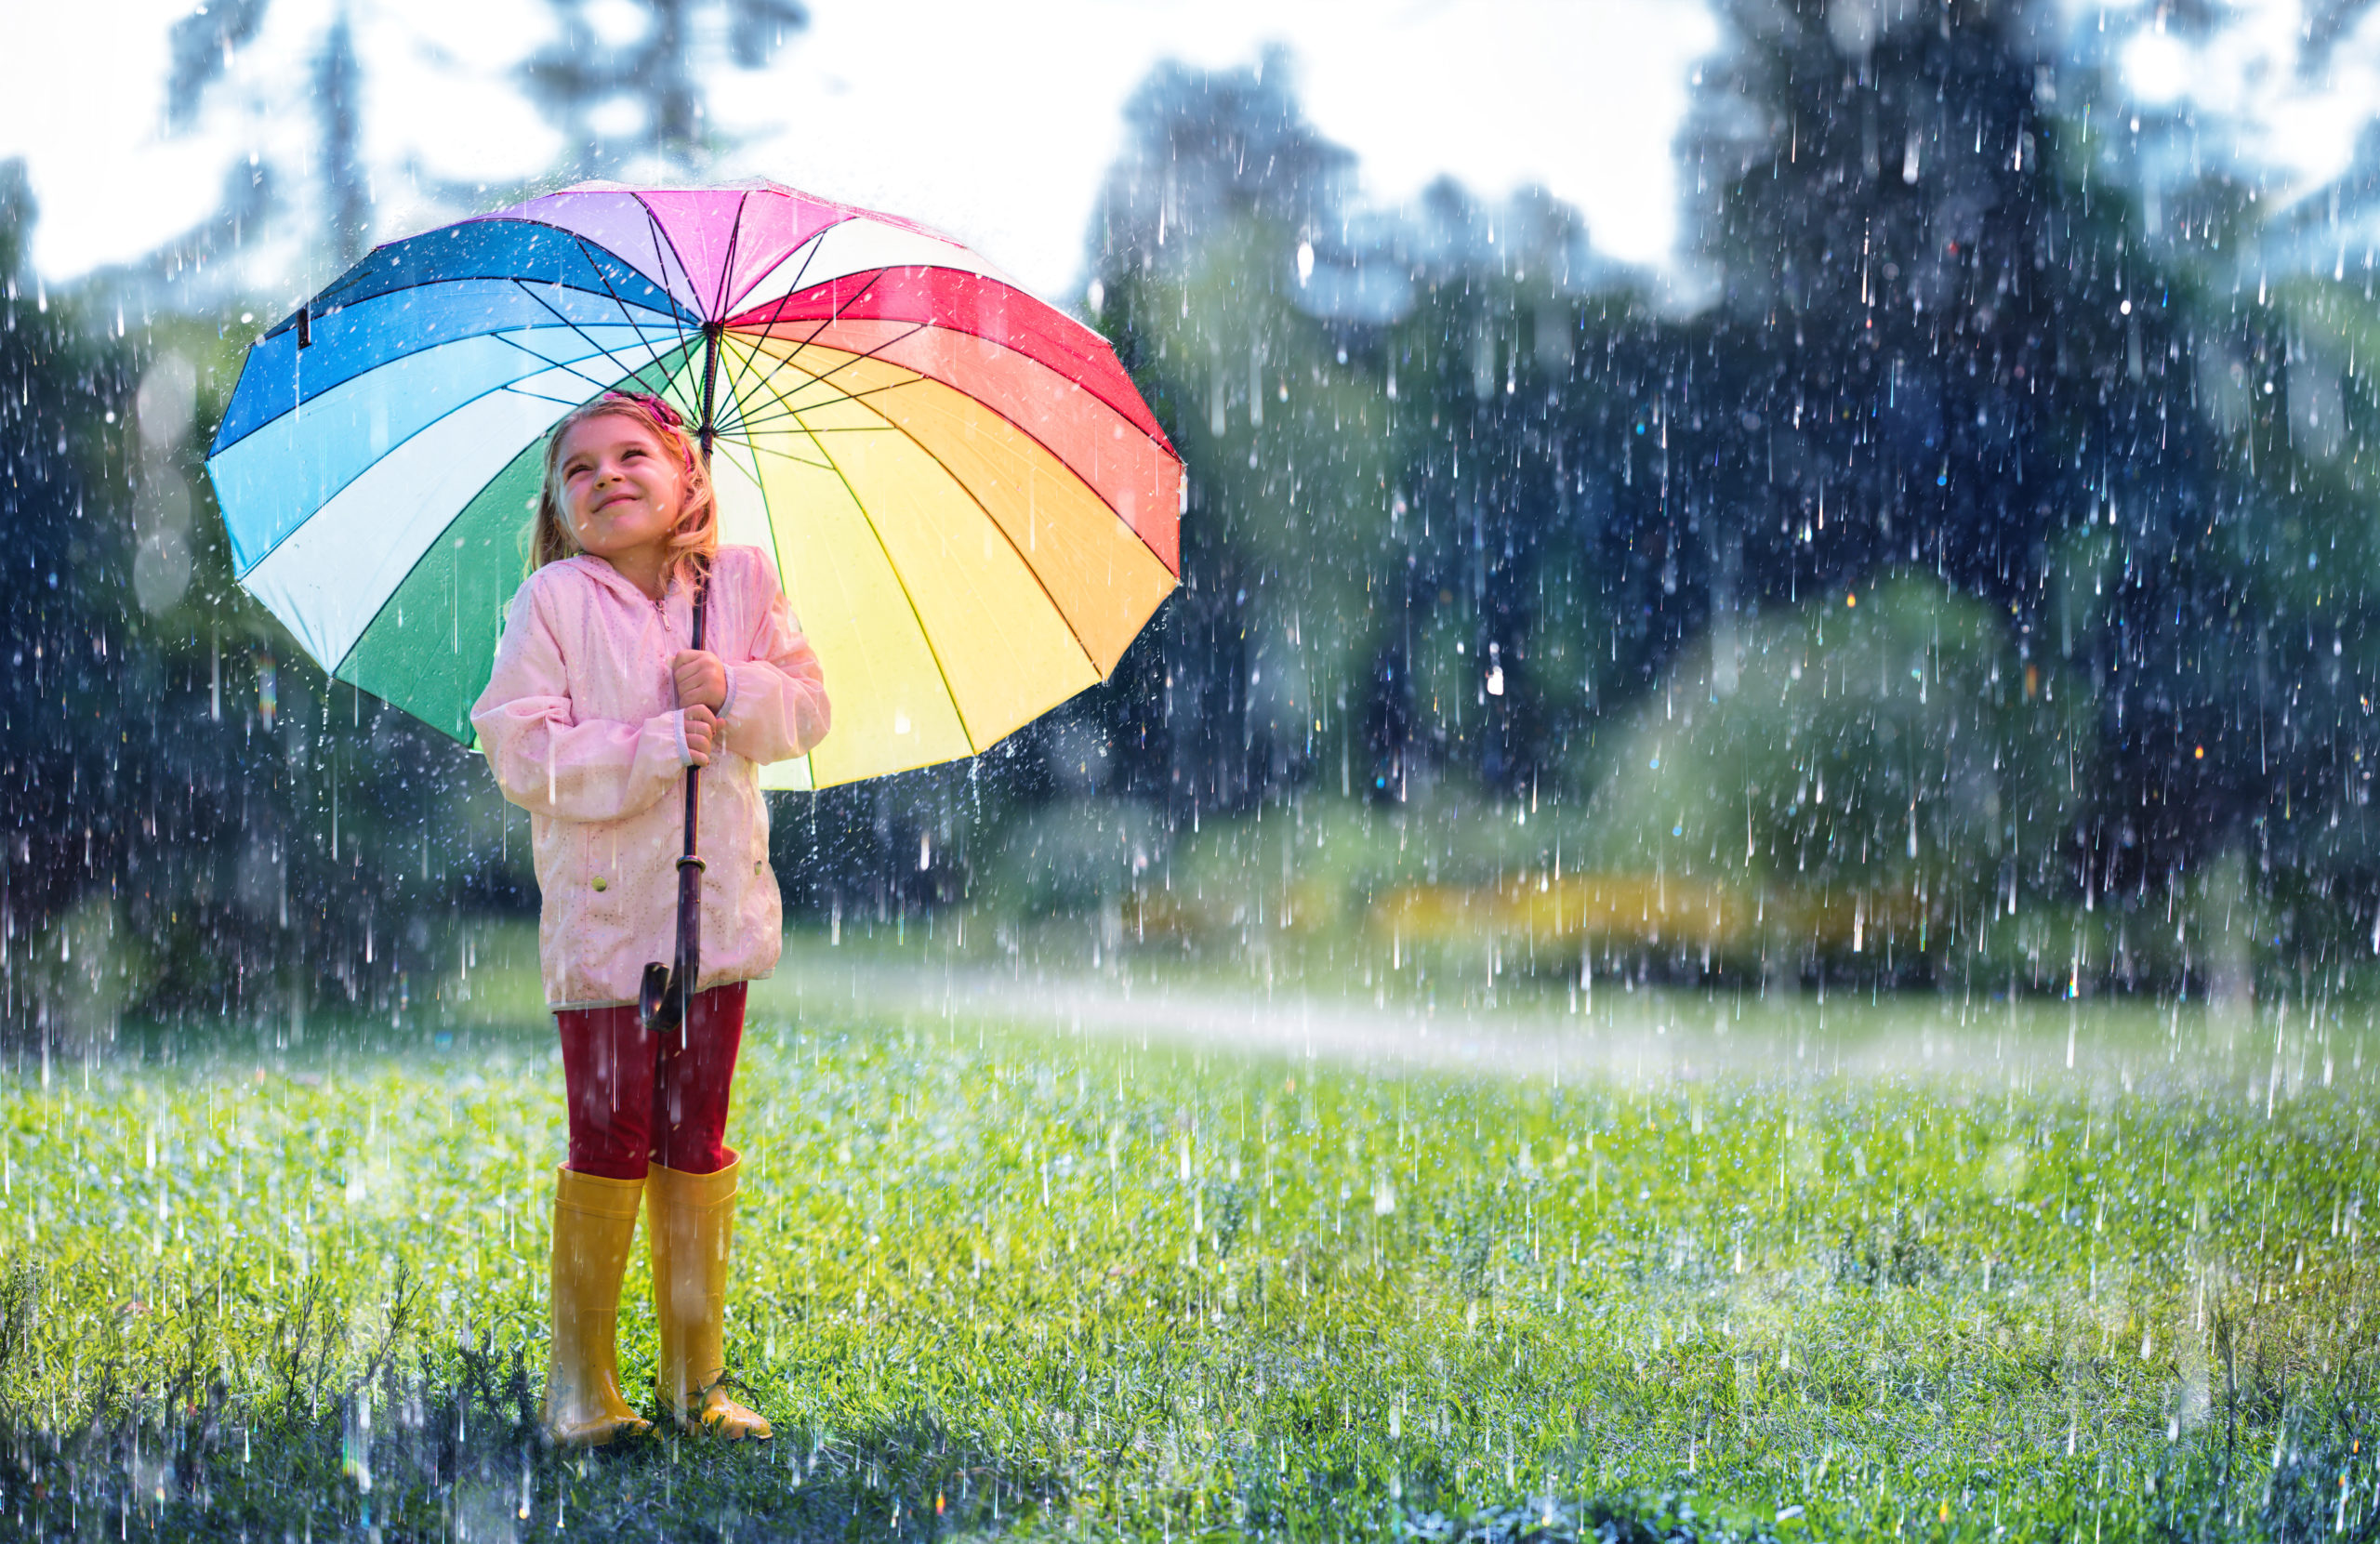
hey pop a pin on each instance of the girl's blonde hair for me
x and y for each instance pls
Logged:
(551, 539)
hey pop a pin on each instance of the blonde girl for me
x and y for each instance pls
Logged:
(598, 708)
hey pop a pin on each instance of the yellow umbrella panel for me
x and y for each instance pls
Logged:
(956, 571)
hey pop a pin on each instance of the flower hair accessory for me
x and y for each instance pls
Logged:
(659, 411)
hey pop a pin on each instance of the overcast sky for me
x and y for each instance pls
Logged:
(994, 123)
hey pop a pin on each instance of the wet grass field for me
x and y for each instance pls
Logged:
(1656, 1265)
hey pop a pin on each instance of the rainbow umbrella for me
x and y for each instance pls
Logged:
(971, 508)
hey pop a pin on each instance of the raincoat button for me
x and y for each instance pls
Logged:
(602, 884)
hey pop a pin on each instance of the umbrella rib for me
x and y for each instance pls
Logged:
(512, 342)
(677, 327)
(624, 306)
(591, 380)
(731, 392)
(558, 402)
(710, 426)
(749, 368)
(793, 289)
(831, 318)
(676, 323)
(915, 615)
(732, 387)
(661, 240)
(727, 268)
(885, 423)
(785, 411)
(1022, 561)
(788, 410)
(1026, 563)
(786, 405)
(799, 461)
(240, 575)
(555, 312)
(414, 567)
(1005, 345)
(823, 323)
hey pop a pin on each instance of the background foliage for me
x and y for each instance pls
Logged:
(1481, 526)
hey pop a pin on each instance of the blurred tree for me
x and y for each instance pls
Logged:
(1934, 348)
(2243, 668)
(1892, 742)
(1194, 247)
(338, 107)
(1405, 525)
(199, 47)
(1930, 349)
(191, 818)
(1920, 325)
(61, 595)
(1540, 557)
(624, 81)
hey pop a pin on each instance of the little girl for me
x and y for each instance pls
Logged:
(595, 712)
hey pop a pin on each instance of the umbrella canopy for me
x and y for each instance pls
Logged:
(971, 508)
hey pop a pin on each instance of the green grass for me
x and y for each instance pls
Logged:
(1069, 1284)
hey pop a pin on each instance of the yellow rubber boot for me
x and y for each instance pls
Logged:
(692, 1227)
(594, 1225)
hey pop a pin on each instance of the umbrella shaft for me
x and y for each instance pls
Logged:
(690, 866)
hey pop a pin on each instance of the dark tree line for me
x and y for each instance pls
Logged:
(1942, 343)
(1476, 517)
(191, 822)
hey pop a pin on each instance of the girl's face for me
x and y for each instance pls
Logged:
(621, 488)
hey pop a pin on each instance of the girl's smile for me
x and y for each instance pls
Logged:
(622, 492)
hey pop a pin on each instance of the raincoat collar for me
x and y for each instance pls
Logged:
(604, 573)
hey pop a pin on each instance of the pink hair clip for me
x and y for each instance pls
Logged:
(659, 411)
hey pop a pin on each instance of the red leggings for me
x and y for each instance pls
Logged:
(622, 1117)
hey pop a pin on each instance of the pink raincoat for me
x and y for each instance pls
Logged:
(582, 728)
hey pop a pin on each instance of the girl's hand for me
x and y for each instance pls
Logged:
(701, 678)
(702, 734)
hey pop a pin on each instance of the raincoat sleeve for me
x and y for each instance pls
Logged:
(548, 760)
(775, 707)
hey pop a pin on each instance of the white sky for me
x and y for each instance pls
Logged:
(992, 122)
(2242, 82)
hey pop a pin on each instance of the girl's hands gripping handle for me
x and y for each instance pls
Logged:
(702, 734)
(701, 680)
(700, 676)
